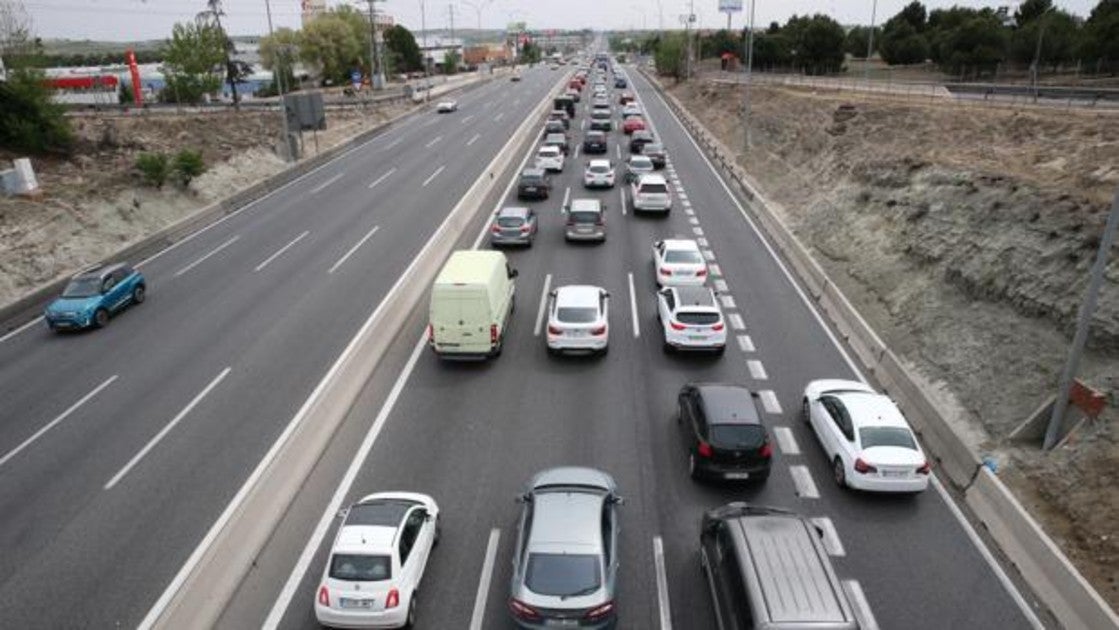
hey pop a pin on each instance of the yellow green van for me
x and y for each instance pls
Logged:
(471, 305)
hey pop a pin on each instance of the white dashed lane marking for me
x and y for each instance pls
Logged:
(709, 255)
(715, 270)
(802, 479)
(698, 231)
(689, 212)
(693, 220)
(434, 142)
(727, 301)
(831, 537)
(720, 284)
(786, 441)
(757, 370)
(862, 611)
(736, 321)
(702, 242)
(745, 343)
(769, 401)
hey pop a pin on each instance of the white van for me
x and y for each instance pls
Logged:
(471, 305)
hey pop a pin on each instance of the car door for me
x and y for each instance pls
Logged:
(109, 290)
(687, 418)
(666, 305)
(408, 551)
(523, 534)
(831, 426)
(531, 223)
(610, 541)
(122, 292)
(425, 540)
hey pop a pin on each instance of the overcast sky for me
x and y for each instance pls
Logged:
(152, 19)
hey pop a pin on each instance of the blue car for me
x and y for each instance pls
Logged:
(95, 294)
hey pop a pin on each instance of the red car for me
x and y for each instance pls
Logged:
(632, 124)
(575, 84)
(625, 97)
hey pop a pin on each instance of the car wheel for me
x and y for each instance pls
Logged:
(839, 472)
(100, 318)
(138, 294)
(411, 621)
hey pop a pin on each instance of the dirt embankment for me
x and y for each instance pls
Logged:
(965, 236)
(94, 202)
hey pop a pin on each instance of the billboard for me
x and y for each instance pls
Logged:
(730, 6)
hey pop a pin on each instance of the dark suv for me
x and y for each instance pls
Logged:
(534, 183)
(594, 142)
(723, 432)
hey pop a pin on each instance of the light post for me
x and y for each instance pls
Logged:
(279, 78)
(478, 7)
(1037, 53)
(749, 71)
(870, 43)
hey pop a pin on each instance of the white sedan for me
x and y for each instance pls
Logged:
(445, 107)
(376, 562)
(550, 158)
(598, 174)
(678, 262)
(578, 319)
(864, 434)
(691, 319)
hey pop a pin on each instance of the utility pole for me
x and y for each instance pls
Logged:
(279, 78)
(1037, 53)
(749, 71)
(376, 74)
(1084, 322)
(870, 42)
(454, 52)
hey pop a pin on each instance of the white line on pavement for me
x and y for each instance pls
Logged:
(353, 249)
(831, 537)
(543, 305)
(692, 220)
(736, 321)
(757, 370)
(709, 255)
(433, 142)
(715, 269)
(769, 401)
(320, 187)
(786, 441)
(702, 242)
(499, 117)
(687, 204)
(21, 329)
(633, 307)
(802, 479)
(582, 124)
(281, 250)
(690, 213)
(433, 175)
(566, 197)
(577, 147)
(720, 284)
(391, 144)
(745, 343)
(62, 416)
(618, 150)
(727, 301)
(622, 199)
(698, 231)
(683, 196)
(858, 601)
(484, 580)
(468, 119)
(167, 429)
(207, 256)
(383, 177)
(663, 606)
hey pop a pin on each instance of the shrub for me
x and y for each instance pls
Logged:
(154, 168)
(29, 120)
(188, 165)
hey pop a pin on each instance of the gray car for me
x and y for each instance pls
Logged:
(586, 220)
(565, 563)
(513, 226)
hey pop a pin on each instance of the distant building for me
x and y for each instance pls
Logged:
(488, 53)
(312, 9)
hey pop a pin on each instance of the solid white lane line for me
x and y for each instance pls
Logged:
(663, 606)
(167, 429)
(207, 256)
(720, 284)
(622, 199)
(727, 301)
(745, 343)
(861, 607)
(715, 270)
(831, 537)
(698, 231)
(499, 117)
(709, 255)
(769, 401)
(62, 416)
(633, 307)
(353, 249)
(577, 147)
(282, 250)
(757, 370)
(802, 479)
(473, 139)
(479, 614)
(383, 177)
(543, 305)
(566, 197)
(692, 220)
(468, 119)
(786, 441)
(618, 150)
(320, 187)
(433, 175)
(434, 142)
(736, 321)
(22, 328)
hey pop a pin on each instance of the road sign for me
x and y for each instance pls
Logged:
(730, 6)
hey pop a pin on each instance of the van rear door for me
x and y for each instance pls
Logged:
(461, 321)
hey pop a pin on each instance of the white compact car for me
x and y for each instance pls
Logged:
(678, 262)
(578, 319)
(446, 106)
(864, 434)
(638, 165)
(650, 193)
(550, 158)
(692, 319)
(598, 174)
(631, 109)
(376, 562)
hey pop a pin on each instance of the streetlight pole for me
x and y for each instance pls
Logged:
(279, 78)
(1037, 53)
(870, 42)
(749, 72)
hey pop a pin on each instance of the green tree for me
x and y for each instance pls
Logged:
(1100, 41)
(1060, 34)
(1030, 11)
(977, 46)
(401, 44)
(772, 49)
(29, 120)
(857, 40)
(669, 55)
(915, 15)
(333, 44)
(902, 44)
(278, 53)
(719, 43)
(192, 65)
(530, 52)
(817, 43)
(450, 62)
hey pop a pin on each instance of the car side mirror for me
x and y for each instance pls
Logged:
(552, 293)
(344, 512)
(657, 243)
(513, 273)
(523, 498)
(617, 500)
(567, 208)
(606, 294)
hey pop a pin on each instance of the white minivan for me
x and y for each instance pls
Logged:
(471, 305)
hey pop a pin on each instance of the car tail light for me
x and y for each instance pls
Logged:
(496, 229)
(863, 467)
(554, 330)
(717, 327)
(925, 468)
(701, 273)
(493, 334)
(570, 222)
(525, 229)
(766, 450)
(522, 610)
(600, 222)
(324, 596)
(599, 331)
(393, 600)
(598, 612)
(677, 326)
(665, 271)
(704, 449)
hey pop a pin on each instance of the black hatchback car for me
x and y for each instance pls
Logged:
(594, 142)
(723, 432)
(534, 183)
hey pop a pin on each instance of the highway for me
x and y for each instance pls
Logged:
(471, 435)
(120, 447)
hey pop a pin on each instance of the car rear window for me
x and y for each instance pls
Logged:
(576, 314)
(82, 288)
(600, 114)
(697, 319)
(360, 567)
(737, 435)
(598, 168)
(682, 256)
(886, 436)
(653, 189)
(531, 179)
(510, 221)
(584, 217)
(563, 575)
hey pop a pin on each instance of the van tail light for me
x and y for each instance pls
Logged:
(493, 334)
(599, 331)
(324, 596)
(863, 467)
(717, 327)
(522, 610)
(665, 271)
(701, 273)
(554, 330)
(925, 468)
(677, 326)
(393, 600)
(766, 450)
(599, 612)
(704, 449)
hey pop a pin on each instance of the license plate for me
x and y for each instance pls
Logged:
(697, 337)
(737, 475)
(562, 623)
(346, 602)
(530, 189)
(893, 474)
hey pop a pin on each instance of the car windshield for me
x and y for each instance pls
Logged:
(682, 257)
(697, 319)
(886, 436)
(360, 567)
(563, 575)
(82, 288)
(577, 314)
(737, 435)
(654, 189)
(510, 221)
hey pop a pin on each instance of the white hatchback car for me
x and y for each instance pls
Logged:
(578, 319)
(678, 262)
(650, 193)
(692, 319)
(631, 109)
(598, 174)
(377, 560)
(867, 439)
(446, 106)
(550, 158)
